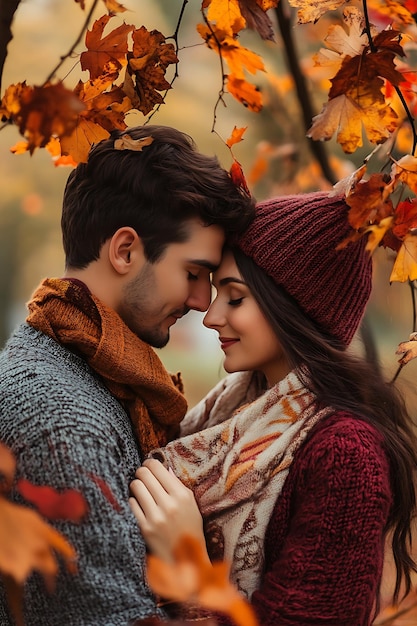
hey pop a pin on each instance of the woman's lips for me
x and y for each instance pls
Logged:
(226, 342)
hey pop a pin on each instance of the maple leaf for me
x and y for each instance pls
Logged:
(148, 62)
(312, 11)
(405, 218)
(408, 349)
(405, 170)
(42, 112)
(226, 15)
(27, 543)
(370, 201)
(104, 111)
(246, 93)
(191, 578)
(114, 7)
(102, 50)
(346, 117)
(238, 177)
(236, 136)
(392, 11)
(405, 265)
(256, 18)
(69, 505)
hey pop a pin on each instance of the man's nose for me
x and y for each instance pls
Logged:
(200, 296)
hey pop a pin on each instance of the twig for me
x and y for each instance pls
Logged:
(317, 148)
(75, 44)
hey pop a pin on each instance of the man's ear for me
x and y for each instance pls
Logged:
(126, 250)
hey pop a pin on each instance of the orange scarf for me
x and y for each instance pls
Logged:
(65, 310)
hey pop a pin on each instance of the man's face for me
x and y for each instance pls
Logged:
(164, 291)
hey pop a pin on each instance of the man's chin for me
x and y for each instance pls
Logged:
(156, 339)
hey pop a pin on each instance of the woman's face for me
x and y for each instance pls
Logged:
(246, 337)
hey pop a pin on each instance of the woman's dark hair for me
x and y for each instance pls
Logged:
(155, 190)
(348, 383)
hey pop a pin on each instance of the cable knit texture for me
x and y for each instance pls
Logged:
(295, 240)
(68, 431)
(324, 546)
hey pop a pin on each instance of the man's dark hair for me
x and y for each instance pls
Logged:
(155, 190)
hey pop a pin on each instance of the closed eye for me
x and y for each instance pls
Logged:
(235, 302)
(192, 276)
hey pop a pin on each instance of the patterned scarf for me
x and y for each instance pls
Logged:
(237, 467)
(65, 310)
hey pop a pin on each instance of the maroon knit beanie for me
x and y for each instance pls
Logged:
(294, 238)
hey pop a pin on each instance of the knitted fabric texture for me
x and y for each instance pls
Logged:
(294, 239)
(238, 467)
(66, 311)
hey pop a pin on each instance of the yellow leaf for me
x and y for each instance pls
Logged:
(79, 143)
(406, 170)
(226, 16)
(405, 266)
(377, 232)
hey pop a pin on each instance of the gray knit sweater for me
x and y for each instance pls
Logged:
(65, 429)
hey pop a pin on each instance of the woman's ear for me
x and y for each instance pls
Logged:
(126, 251)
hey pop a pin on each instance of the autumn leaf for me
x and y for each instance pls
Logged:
(226, 15)
(255, 15)
(405, 265)
(405, 170)
(236, 136)
(102, 50)
(42, 112)
(191, 578)
(68, 505)
(405, 218)
(114, 7)
(238, 177)
(370, 201)
(246, 93)
(7, 467)
(345, 117)
(408, 350)
(312, 11)
(148, 62)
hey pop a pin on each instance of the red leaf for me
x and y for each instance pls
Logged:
(68, 505)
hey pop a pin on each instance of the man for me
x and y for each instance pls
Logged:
(83, 395)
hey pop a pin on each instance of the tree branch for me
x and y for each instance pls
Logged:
(317, 148)
(7, 10)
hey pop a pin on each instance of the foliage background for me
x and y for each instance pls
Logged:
(31, 187)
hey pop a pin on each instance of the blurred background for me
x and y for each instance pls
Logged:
(275, 155)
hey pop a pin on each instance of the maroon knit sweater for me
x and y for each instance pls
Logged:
(324, 543)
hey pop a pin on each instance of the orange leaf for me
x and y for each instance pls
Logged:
(68, 505)
(191, 578)
(114, 7)
(236, 136)
(406, 170)
(370, 201)
(27, 543)
(246, 93)
(312, 11)
(102, 50)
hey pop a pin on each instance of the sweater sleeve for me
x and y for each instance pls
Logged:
(324, 545)
(68, 432)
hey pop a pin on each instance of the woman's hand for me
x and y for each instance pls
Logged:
(164, 508)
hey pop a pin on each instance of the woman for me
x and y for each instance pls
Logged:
(304, 483)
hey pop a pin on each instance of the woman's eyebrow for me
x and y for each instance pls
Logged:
(231, 279)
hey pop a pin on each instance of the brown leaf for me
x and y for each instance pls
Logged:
(102, 50)
(148, 63)
(256, 18)
(128, 143)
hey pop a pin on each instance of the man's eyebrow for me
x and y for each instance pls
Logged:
(204, 263)
(231, 279)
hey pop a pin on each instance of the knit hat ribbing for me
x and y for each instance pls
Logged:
(294, 239)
